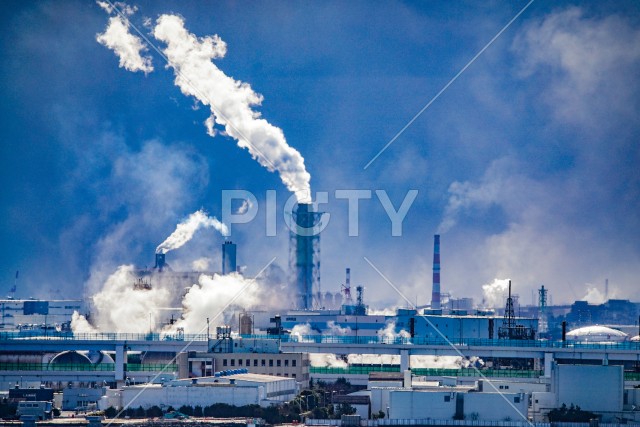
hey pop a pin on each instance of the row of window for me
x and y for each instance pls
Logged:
(263, 362)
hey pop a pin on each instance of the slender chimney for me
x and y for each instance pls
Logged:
(435, 294)
(228, 257)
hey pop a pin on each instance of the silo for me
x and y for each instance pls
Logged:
(245, 324)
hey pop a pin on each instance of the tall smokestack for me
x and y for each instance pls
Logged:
(435, 293)
(305, 256)
(160, 261)
(228, 257)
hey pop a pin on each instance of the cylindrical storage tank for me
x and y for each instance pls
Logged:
(246, 324)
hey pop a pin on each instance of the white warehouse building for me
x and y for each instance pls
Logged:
(450, 404)
(237, 390)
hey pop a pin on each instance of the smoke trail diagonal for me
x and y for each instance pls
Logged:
(446, 86)
(452, 345)
(189, 82)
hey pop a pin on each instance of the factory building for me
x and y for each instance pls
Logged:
(286, 365)
(37, 315)
(237, 390)
(450, 403)
(594, 388)
(403, 397)
(257, 356)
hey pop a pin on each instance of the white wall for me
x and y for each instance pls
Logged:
(421, 404)
(191, 396)
(592, 387)
(512, 386)
(496, 406)
(380, 399)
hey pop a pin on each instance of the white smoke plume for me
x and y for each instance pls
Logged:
(389, 332)
(300, 331)
(326, 360)
(594, 295)
(80, 324)
(495, 293)
(186, 229)
(230, 102)
(390, 311)
(126, 46)
(209, 299)
(445, 362)
(121, 308)
(334, 329)
(201, 264)
(373, 359)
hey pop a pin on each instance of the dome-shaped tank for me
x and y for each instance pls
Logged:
(597, 334)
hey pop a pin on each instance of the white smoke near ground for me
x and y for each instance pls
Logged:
(494, 293)
(389, 332)
(382, 311)
(327, 360)
(230, 102)
(334, 329)
(445, 362)
(125, 45)
(210, 297)
(80, 324)
(119, 307)
(373, 359)
(186, 229)
(300, 331)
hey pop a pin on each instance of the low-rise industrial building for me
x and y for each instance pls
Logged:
(594, 388)
(257, 356)
(237, 390)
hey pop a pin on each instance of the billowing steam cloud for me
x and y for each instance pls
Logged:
(121, 308)
(442, 362)
(389, 332)
(209, 299)
(334, 329)
(495, 292)
(146, 309)
(186, 229)
(126, 46)
(230, 102)
(326, 360)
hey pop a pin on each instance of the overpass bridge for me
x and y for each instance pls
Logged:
(121, 343)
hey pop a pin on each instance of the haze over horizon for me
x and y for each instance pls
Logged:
(527, 165)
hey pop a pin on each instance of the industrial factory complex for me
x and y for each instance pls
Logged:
(500, 367)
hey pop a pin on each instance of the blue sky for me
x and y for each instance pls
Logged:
(529, 160)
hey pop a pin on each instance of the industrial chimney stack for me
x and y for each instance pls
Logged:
(305, 255)
(160, 261)
(435, 293)
(228, 257)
